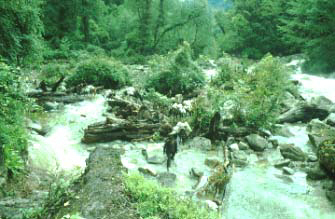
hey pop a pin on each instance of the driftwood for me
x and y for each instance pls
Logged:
(119, 129)
(303, 112)
(123, 108)
(56, 85)
(55, 97)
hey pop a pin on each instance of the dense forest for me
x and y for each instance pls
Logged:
(33, 31)
(54, 52)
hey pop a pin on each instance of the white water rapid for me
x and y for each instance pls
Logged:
(61, 150)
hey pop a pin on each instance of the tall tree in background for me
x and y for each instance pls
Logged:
(312, 26)
(60, 19)
(20, 29)
(250, 28)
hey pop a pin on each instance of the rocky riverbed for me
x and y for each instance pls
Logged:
(279, 174)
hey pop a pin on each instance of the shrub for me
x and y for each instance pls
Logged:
(266, 85)
(100, 72)
(52, 72)
(254, 101)
(153, 201)
(175, 73)
(13, 143)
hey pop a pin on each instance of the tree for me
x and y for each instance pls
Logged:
(250, 28)
(311, 25)
(20, 29)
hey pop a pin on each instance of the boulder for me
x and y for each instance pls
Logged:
(316, 173)
(211, 205)
(291, 152)
(200, 143)
(154, 156)
(331, 196)
(322, 103)
(274, 143)
(167, 179)
(318, 132)
(312, 158)
(330, 120)
(234, 147)
(243, 146)
(240, 158)
(212, 163)
(327, 155)
(256, 142)
(147, 171)
(288, 171)
(282, 130)
(282, 163)
(303, 112)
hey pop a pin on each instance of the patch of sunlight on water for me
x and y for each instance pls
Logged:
(61, 150)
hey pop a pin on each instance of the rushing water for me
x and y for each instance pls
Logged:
(258, 191)
(262, 191)
(61, 151)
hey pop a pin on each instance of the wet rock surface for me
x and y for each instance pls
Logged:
(256, 142)
(99, 193)
(292, 152)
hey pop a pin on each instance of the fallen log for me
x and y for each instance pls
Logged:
(118, 129)
(60, 97)
(303, 112)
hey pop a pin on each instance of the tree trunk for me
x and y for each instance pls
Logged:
(119, 129)
(85, 20)
(144, 27)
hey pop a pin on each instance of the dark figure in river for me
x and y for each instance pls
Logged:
(179, 132)
(171, 148)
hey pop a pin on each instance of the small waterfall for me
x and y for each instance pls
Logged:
(61, 151)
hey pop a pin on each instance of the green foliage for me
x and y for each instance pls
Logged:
(253, 101)
(20, 29)
(13, 143)
(159, 101)
(311, 25)
(100, 72)
(157, 202)
(326, 154)
(175, 73)
(250, 28)
(266, 85)
(53, 71)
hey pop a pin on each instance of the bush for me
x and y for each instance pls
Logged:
(52, 72)
(104, 72)
(176, 73)
(266, 86)
(253, 102)
(13, 143)
(153, 201)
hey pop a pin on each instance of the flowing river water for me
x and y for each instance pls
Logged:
(258, 191)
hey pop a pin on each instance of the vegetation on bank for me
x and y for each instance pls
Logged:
(155, 202)
(247, 96)
(132, 31)
(108, 73)
(13, 139)
(175, 73)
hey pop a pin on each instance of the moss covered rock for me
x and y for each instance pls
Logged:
(327, 155)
